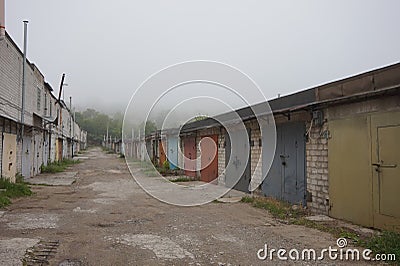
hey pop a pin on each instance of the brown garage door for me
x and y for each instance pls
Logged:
(190, 154)
(209, 158)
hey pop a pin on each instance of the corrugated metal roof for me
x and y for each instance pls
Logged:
(305, 99)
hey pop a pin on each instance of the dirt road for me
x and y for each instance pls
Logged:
(105, 218)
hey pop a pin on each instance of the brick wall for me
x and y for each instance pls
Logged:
(221, 157)
(255, 152)
(317, 169)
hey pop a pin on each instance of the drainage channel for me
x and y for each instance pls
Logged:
(40, 253)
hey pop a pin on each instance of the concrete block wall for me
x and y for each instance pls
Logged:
(221, 157)
(317, 147)
(317, 169)
(255, 152)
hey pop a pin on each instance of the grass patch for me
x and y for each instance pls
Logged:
(385, 243)
(147, 165)
(182, 179)
(278, 209)
(150, 172)
(107, 150)
(59, 166)
(12, 190)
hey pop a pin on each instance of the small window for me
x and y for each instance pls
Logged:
(45, 104)
(38, 99)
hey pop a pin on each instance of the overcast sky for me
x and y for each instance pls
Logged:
(108, 48)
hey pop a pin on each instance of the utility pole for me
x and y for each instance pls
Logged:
(71, 126)
(2, 20)
(133, 136)
(107, 136)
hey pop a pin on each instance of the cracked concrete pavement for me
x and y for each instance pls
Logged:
(105, 218)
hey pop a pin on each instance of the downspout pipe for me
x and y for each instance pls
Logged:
(24, 76)
(23, 86)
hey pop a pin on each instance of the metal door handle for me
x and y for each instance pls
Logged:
(385, 165)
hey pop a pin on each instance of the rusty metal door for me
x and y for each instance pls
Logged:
(286, 178)
(38, 152)
(46, 148)
(209, 158)
(233, 171)
(386, 170)
(190, 153)
(26, 157)
(60, 149)
(162, 148)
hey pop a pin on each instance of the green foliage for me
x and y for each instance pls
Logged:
(95, 123)
(182, 179)
(19, 178)
(200, 117)
(166, 165)
(247, 199)
(58, 166)
(4, 201)
(12, 190)
(149, 128)
(278, 209)
(386, 243)
(150, 172)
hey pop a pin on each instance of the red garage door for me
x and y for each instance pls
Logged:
(209, 158)
(190, 154)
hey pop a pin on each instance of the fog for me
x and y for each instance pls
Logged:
(108, 49)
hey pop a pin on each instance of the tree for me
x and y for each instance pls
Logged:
(96, 123)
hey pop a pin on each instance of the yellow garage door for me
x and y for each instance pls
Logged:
(385, 134)
(350, 174)
(364, 169)
(9, 166)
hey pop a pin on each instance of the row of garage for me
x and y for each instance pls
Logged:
(336, 149)
(37, 130)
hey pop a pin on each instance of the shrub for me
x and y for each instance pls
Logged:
(12, 190)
